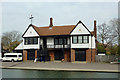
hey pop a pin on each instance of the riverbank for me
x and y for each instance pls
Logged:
(62, 66)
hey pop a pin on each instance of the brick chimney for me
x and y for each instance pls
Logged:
(51, 23)
(95, 29)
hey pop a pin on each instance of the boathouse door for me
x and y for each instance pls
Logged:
(31, 55)
(80, 55)
(59, 55)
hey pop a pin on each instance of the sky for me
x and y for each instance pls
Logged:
(15, 15)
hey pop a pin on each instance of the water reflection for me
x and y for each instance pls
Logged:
(13, 73)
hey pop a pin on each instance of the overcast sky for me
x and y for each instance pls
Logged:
(15, 15)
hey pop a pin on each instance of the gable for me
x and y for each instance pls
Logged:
(80, 29)
(30, 32)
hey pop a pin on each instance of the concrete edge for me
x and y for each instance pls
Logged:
(58, 69)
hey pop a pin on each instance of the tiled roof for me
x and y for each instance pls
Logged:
(56, 30)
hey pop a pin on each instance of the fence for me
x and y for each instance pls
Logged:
(106, 58)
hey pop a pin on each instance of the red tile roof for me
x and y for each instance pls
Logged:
(56, 30)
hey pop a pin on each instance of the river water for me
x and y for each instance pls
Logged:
(14, 73)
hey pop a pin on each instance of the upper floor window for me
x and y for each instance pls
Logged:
(80, 39)
(65, 40)
(35, 40)
(31, 41)
(75, 39)
(85, 39)
(56, 41)
(60, 41)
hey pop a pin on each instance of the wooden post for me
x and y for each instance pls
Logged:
(35, 53)
(24, 55)
(72, 55)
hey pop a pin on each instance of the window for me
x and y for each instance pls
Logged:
(85, 39)
(80, 39)
(75, 39)
(65, 40)
(26, 41)
(35, 40)
(31, 41)
(60, 41)
(56, 41)
(11, 55)
(20, 55)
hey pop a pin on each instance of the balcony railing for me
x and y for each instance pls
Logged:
(57, 46)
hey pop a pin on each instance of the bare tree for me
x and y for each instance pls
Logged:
(109, 35)
(105, 34)
(115, 23)
(10, 40)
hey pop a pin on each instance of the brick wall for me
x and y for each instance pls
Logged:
(67, 55)
(88, 55)
(93, 54)
(51, 54)
(24, 55)
(72, 55)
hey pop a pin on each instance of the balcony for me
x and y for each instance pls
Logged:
(57, 46)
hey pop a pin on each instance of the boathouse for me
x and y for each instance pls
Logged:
(68, 42)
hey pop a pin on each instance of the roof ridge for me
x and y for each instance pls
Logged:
(52, 26)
